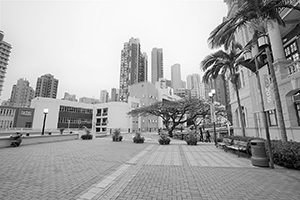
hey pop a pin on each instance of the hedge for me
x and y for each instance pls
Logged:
(286, 154)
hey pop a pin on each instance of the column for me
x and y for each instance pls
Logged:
(276, 41)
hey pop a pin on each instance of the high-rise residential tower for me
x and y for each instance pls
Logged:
(46, 86)
(157, 70)
(21, 94)
(176, 76)
(193, 83)
(133, 67)
(143, 72)
(5, 49)
(114, 95)
(103, 96)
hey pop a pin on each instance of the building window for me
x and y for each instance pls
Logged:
(291, 51)
(272, 118)
(28, 125)
(296, 100)
(297, 107)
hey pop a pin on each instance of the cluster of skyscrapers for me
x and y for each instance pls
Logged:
(134, 67)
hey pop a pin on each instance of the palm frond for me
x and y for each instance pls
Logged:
(212, 58)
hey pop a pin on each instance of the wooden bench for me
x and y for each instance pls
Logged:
(239, 146)
(225, 143)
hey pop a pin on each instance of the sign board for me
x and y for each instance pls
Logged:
(267, 88)
(26, 112)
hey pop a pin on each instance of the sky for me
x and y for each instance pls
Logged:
(80, 42)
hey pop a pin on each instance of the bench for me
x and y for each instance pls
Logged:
(225, 143)
(239, 146)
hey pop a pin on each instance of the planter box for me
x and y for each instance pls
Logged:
(5, 142)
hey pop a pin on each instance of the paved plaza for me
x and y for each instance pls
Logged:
(102, 169)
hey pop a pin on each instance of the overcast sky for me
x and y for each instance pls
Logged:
(80, 42)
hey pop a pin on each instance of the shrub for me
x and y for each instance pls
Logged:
(286, 154)
(88, 135)
(117, 135)
(164, 140)
(191, 138)
(138, 138)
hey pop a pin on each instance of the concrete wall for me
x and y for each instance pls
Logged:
(5, 142)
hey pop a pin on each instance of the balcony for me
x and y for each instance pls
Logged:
(294, 67)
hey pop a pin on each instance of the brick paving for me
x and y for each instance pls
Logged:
(60, 170)
(101, 169)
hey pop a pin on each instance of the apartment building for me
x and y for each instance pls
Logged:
(5, 50)
(157, 68)
(46, 86)
(21, 94)
(133, 67)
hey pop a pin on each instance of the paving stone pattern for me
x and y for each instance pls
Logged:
(60, 170)
(101, 169)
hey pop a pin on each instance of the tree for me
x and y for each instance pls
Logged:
(258, 15)
(219, 63)
(172, 113)
(201, 112)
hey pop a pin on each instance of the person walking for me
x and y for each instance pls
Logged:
(207, 136)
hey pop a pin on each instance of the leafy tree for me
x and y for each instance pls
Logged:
(172, 113)
(258, 15)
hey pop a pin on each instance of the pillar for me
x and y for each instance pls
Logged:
(276, 41)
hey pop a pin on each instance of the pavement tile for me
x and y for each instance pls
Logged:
(101, 169)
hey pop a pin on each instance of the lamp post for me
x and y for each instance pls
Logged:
(247, 56)
(46, 110)
(211, 95)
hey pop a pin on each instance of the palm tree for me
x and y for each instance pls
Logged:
(219, 63)
(258, 15)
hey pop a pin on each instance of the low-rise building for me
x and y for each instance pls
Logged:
(98, 117)
(15, 117)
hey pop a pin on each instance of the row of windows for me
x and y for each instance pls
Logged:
(150, 121)
(75, 110)
(7, 111)
(6, 124)
(74, 121)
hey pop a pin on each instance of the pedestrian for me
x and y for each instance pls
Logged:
(201, 136)
(207, 136)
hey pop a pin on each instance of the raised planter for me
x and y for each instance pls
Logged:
(5, 142)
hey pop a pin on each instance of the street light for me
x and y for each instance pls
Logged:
(46, 110)
(264, 114)
(211, 94)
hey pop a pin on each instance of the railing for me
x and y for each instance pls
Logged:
(104, 114)
(294, 67)
(104, 124)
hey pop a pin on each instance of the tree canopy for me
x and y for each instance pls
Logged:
(174, 113)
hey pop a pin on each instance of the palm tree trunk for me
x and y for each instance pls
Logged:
(276, 97)
(240, 109)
